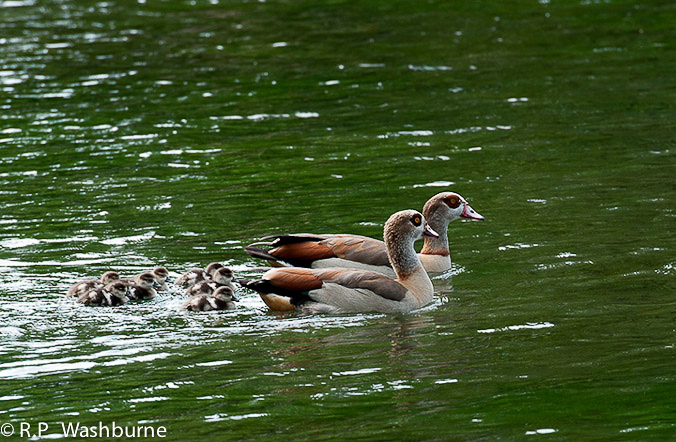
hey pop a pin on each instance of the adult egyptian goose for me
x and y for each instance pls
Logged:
(194, 276)
(340, 290)
(356, 251)
(222, 299)
(110, 295)
(83, 287)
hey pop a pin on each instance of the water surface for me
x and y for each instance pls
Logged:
(136, 134)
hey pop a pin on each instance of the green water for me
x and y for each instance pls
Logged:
(135, 134)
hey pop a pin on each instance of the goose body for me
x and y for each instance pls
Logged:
(221, 299)
(361, 252)
(87, 286)
(110, 295)
(341, 290)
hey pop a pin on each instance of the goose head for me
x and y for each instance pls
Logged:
(402, 229)
(407, 226)
(445, 207)
(225, 294)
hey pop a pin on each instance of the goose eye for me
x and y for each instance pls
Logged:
(453, 202)
(416, 220)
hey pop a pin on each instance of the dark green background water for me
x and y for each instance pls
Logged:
(135, 134)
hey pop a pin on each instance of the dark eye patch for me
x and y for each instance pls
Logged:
(416, 220)
(452, 201)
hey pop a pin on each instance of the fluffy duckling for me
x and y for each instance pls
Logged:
(201, 288)
(193, 276)
(143, 286)
(162, 277)
(110, 295)
(222, 299)
(224, 277)
(84, 287)
(212, 267)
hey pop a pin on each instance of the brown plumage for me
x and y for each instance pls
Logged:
(201, 288)
(355, 251)
(304, 280)
(161, 277)
(212, 267)
(87, 286)
(222, 299)
(113, 294)
(304, 250)
(143, 286)
(193, 276)
(339, 290)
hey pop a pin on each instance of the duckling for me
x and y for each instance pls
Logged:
(193, 276)
(112, 294)
(162, 277)
(143, 286)
(201, 288)
(222, 299)
(212, 267)
(84, 287)
(224, 277)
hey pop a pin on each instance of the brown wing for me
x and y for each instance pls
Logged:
(292, 279)
(378, 283)
(358, 248)
(296, 283)
(305, 251)
(304, 248)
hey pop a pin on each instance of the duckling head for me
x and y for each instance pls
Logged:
(117, 289)
(211, 268)
(223, 275)
(146, 280)
(109, 277)
(225, 294)
(161, 274)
